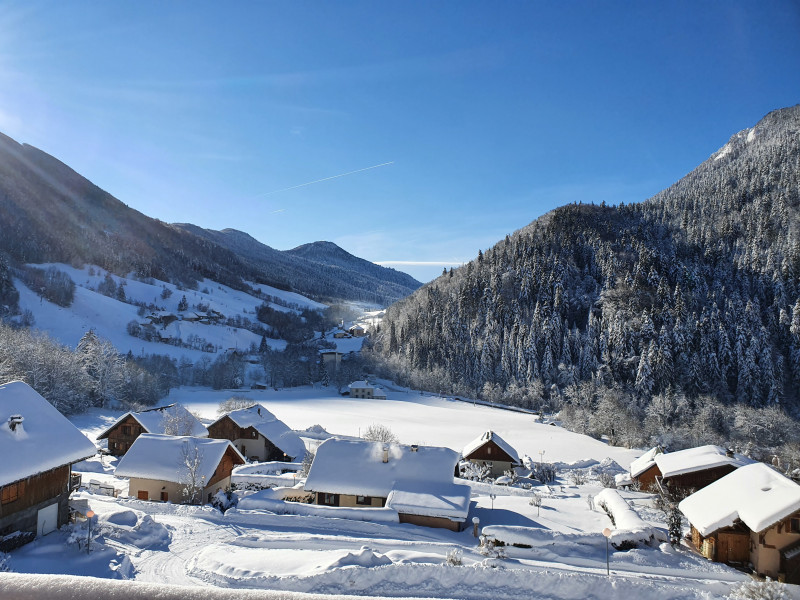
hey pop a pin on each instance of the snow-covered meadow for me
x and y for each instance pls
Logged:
(149, 542)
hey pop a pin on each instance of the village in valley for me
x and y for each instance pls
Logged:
(306, 489)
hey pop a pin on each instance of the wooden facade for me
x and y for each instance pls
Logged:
(697, 480)
(774, 552)
(647, 478)
(348, 500)
(492, 455)
(439, 522)
(123, 434)
(247, 439)
(21, 501)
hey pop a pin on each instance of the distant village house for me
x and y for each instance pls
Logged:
(362, 389)
(258, 435)
(172, 419)
(492, 451)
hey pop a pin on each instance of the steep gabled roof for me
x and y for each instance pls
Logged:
(161, 457)
(491, 436)
(268, 425)
(755, 494)
(701, 458)
(153, 421)
(356, 467)
(645, 461)
(43, 440)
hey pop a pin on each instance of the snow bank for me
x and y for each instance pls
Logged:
(261, 501)
(629, 527)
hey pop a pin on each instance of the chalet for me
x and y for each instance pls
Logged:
(749, 517)
(644, 469)
(172, 419)
(331, 357)
(357, 331)
(178, 469)
(38, 445)
(695, 468)
(339, 334)
(493, 451)
(362, 389)
(415, 481)
(162, 318)
(259, 435)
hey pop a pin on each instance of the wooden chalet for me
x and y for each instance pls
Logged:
(131, 425)
(357, 331)
(258, 435)
(170, 468)
(749, 519)
(493, 451)
(39, 446)
(694, 468)
(644, 469)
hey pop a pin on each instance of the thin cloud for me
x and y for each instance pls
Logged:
(294, 187)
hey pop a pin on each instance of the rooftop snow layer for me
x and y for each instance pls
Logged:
(272, 428)
(697, 459)
(490, 436)
(356, 467)
(42, 440)
(645, 461)
(154, 420)
(163, 457)
(756, 494)
(445, 500)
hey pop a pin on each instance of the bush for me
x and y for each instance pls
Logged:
(759, 590)
(607, 480)
(454, 557)
(380, 433)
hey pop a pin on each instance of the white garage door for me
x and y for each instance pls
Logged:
(47, 520)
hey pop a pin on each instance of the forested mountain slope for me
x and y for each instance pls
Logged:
(50, 213)
(694, 293)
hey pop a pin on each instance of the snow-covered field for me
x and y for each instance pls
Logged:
(150, 542)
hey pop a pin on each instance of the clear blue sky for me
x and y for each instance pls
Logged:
(491, 113)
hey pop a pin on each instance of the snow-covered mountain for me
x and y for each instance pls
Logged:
(50, 213)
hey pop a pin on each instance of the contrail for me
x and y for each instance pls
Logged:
(294, 187)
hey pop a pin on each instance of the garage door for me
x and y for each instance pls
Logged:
(47, 519)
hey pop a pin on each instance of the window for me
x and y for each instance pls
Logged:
(364, 500)
(126, 430)
(12, 492)
(489, 450)
(329, 499)
(255, 434)
(794, 525)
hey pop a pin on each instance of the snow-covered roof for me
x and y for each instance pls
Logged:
(162, 457)
(697, 459)
(360, 385)
(756, 494)
(493, 437)
(356, 467)
(645, 461)
(272, 428)
(43, 439)
(155, 420)
(450, 501)
(378, 393)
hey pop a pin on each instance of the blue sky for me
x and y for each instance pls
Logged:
(490, 113)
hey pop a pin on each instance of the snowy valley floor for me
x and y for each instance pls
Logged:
(154, 543)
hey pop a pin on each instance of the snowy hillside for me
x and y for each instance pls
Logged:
(109, 316)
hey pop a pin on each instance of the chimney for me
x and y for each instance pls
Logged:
(729, 453)
(414, 447)
(386, 454)
(15, 424)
